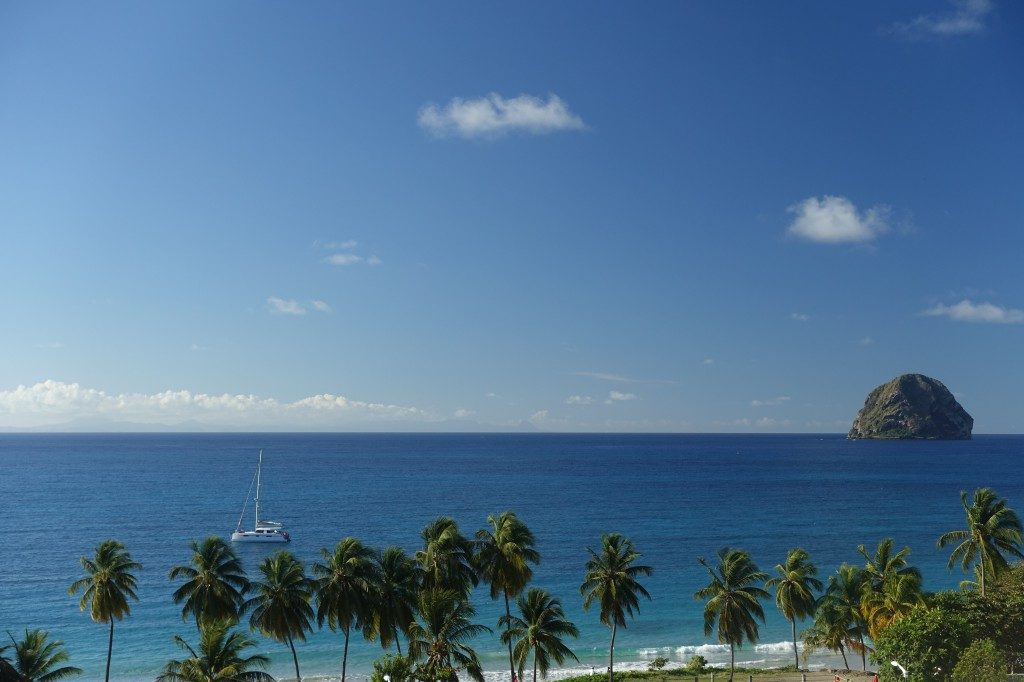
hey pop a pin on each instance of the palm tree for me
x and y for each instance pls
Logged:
(394, 599)
(897, 598)
(446, 558)
(830, 631)
(7, 671)
(107, 586)
(611, 580)
(439, 638)
(794, 586)
(36, 658)
(503, 556)
(215, 583)
(733, 599)
(844, 600)
(344, 589)
(280, 607)
(219, 659)
(883, 565)
(540, 630)
(993, 529)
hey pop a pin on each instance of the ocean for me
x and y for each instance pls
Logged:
(679, 497)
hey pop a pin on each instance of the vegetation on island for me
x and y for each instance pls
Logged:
(877, 611)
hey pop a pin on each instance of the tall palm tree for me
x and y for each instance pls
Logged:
(611, 580)
(220, 658)
(733, 599)
(844, 600)
(7, 671)
(107, 586)
(36, 659)
(993, 529)
(540, 629)
(280, 605)
(883, 565)
(446, 558)
(830, 631)
(897, 598)
(215, 583)
(439, 638)
(394, 599)
(503, 556)
(344, 589)
(795, 585)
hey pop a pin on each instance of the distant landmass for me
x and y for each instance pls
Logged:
(912, 406)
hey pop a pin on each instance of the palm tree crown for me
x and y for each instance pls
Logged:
(503, 556)
(344, 589)
(37, 658)
(844, 601)
(219, 659)
(394, 604)
(884, 565)
(280, 605)
(439, 639)
(540, 629)
(446, 558)
(993, 530)
(733, 599)
(215, 583)
(795, 584)
(611, 580)
(107, 586)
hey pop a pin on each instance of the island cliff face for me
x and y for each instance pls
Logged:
(912, 406)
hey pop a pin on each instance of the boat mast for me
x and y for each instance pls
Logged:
(259, 467)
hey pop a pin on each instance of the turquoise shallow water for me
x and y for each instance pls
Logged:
(678, 497)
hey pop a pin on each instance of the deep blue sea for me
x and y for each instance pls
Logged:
(677, 496)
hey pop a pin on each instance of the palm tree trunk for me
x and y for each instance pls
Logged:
(398, 642)
(344, 657)
(295, 657)
(732, 660)
(535, 665)
(611, 655)
(110, 649)
(796, 654)
(842, 650)
(508, 625)
(981, 564)
(863, 654)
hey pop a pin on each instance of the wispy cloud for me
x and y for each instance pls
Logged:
(288, 306)
(770, 402)
(964, 18)
(619, 378)
(343, 259)
(619, 397)
(490, 394)
(835, 220)
(463, 413)
(707, 361)
(866, 341)
(53, 402)
(799, 317)
(579, 400)
(968, 311)
(494, 116)
(346, 245)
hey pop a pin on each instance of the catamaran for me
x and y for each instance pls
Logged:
(263, 531)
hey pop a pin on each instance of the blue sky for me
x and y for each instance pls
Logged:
(564, 216)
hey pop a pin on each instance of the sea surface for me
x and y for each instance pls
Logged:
(679, 497)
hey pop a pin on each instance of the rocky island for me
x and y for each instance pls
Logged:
(912, 406)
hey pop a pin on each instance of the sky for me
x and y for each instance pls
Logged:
(572, 216)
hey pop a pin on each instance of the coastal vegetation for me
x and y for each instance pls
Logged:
(878, 610)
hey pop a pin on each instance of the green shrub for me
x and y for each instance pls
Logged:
(927, 641)
(398, 668)
(697, 664)
(981, 662)
(657, 664)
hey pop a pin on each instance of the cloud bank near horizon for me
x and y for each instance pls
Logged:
(52, 403)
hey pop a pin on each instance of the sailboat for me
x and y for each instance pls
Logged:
(263, 531)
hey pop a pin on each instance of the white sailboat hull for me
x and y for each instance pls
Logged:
(253, 536)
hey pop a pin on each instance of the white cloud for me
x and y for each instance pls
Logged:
(320, 306)
(53, 402)
(968, 311)
(618, 397)
(373, 260)
(967, 17)
(579, 400)
(495, 116)
(707, 361)
(866, 341)
(282, 306)
(834, 220)
(538, 417)
(463, 413)
(618, 378)
(346, 245)
(490, 394)
(343, 259)
(799, 317)
(771, 402)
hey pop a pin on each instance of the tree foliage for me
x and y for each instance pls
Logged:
(981, 662)
(927, 642)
